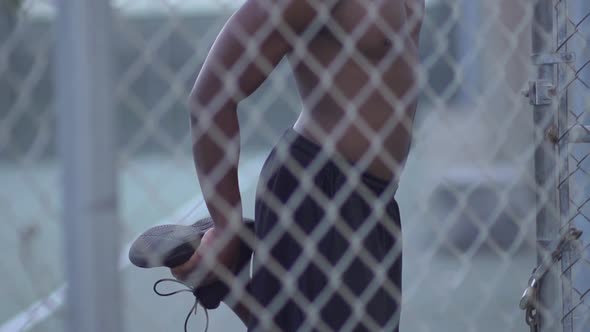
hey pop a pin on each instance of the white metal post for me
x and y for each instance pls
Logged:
(87, 150)
(543, 42)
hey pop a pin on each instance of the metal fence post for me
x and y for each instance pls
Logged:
(545, 165)
(563, 160)
(87, 150)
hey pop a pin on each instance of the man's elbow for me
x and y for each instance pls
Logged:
(200, 105)
(195, 108)
(204, 109)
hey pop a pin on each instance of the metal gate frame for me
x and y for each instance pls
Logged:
(559, 303)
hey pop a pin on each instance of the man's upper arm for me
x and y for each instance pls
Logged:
(249, 46)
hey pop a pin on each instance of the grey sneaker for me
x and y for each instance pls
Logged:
(172, 245)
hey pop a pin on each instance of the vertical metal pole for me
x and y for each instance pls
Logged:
(545, 170)
(561, 16)
(87, 150)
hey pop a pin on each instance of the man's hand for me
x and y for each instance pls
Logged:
(213, 243)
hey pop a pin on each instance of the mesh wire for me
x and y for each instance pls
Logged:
(574, 184)
(467, 190)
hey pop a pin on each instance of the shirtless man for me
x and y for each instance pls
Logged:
(355, 64)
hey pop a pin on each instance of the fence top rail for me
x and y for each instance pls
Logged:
(46, 8)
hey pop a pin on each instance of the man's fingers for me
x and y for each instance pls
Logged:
(226, 257)
(178, 274)
(182, 271)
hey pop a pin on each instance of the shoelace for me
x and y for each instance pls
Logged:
(194, 307)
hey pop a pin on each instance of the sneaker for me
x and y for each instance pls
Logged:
(173, 245)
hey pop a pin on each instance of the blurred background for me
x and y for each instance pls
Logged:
(467, 194)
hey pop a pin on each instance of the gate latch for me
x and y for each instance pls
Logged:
(540, 92)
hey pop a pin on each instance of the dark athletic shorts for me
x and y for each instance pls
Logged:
(332, 284)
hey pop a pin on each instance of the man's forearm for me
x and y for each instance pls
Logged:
(230, 74)
(216, 149)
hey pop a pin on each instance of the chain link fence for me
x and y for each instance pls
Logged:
(30, 195)
(555, 299)
(473, 208)
(573, 19)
